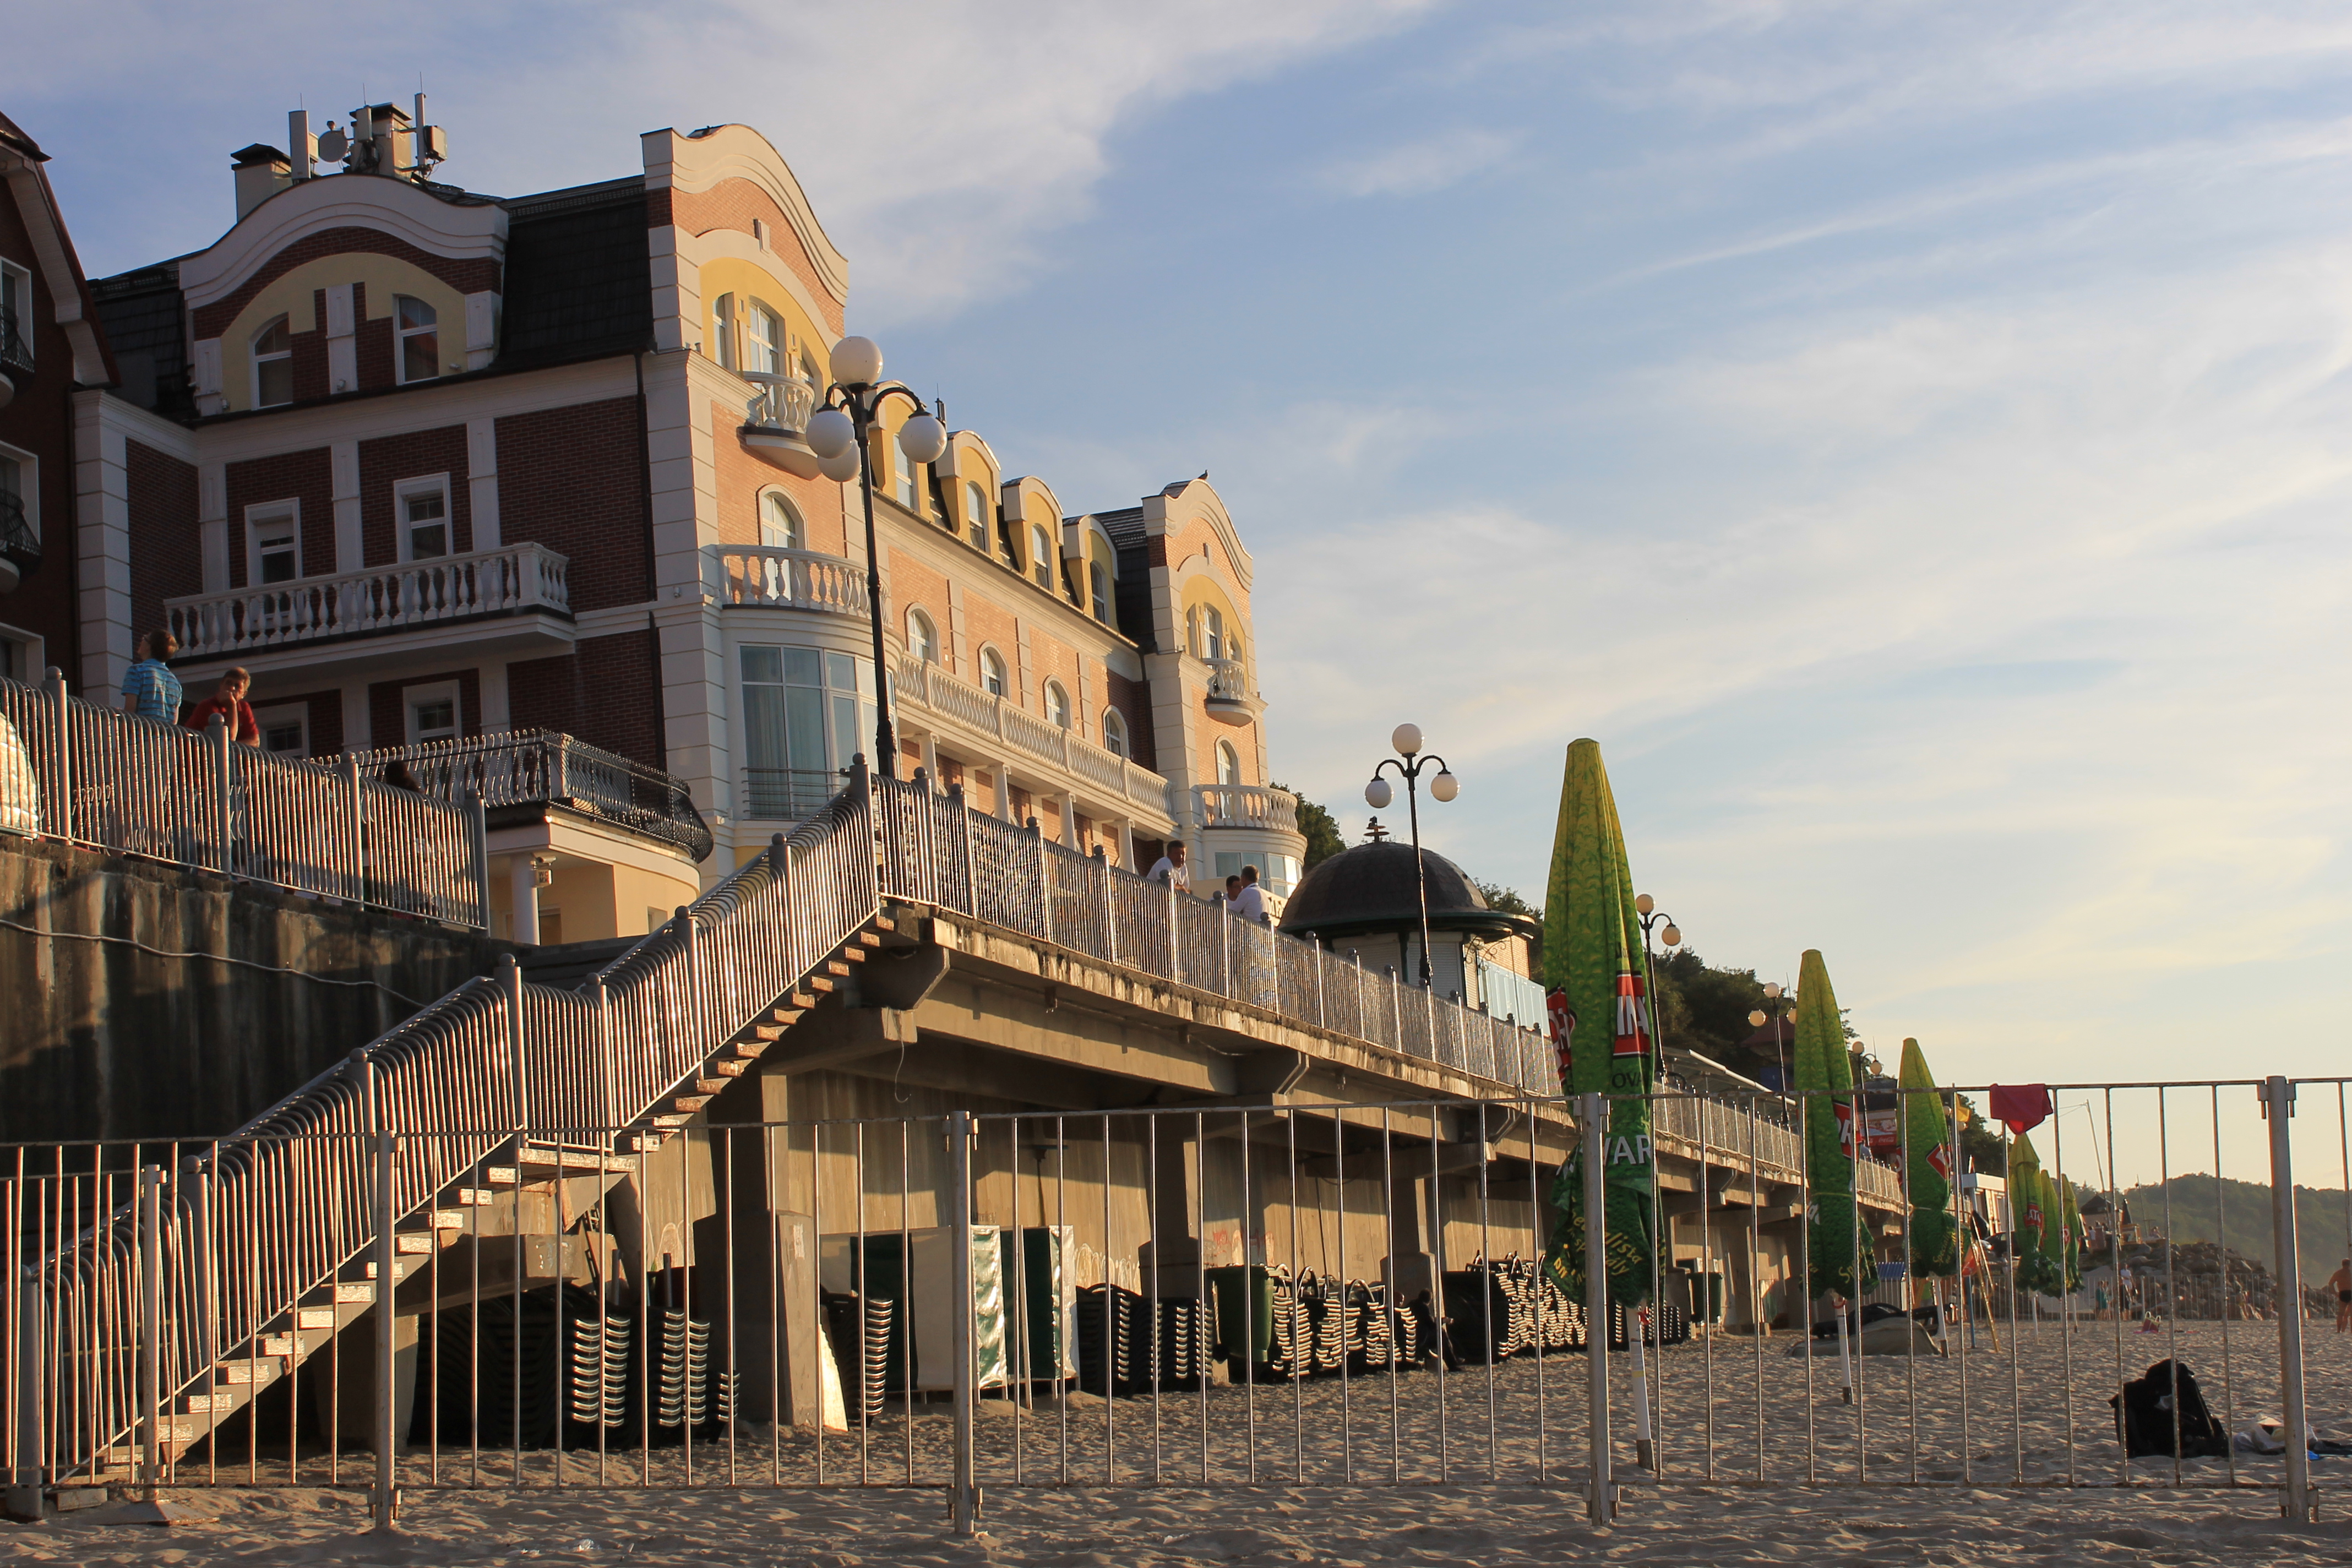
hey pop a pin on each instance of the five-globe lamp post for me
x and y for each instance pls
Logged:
(1379, 793)
(1670, 935)
(840, 436)
(1773, 998)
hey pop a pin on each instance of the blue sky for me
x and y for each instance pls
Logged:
(1911, 438)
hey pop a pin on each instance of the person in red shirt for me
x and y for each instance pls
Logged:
(228, 700)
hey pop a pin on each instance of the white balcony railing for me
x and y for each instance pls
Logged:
(1228, 680)
(771, 576)
(1248, 805)
(380, 600)
(926, 686)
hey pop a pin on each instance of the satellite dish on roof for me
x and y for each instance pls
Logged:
(333, 144)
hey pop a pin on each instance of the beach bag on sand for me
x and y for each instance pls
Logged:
(2144, 1415)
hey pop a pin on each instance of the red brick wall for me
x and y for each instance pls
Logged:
(310, 354)
(326, 713)
(389, 459)
(166, 549)
(914, 586)
(573, 479)
(742, 477)
(372, 340)
(40, 420)
(607, 693)
(472, 276)
(307, 476)
(734, 204)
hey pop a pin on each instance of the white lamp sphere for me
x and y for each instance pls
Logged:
(1445, 786)
(1672, 936)
(1644, 902)
(1378, 793)
(923, 438)
(858, 362)
(830, 433)
(841, 464)
(1407, 739)
(1772, 989)
(1756, 1017)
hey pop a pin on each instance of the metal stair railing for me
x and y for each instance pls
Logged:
(213, 1255)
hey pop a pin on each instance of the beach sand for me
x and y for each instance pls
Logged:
(1966, 1508)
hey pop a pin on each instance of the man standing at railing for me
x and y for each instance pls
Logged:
(1250, 903)
(149, 688)
(229, 704)
(1169, 869)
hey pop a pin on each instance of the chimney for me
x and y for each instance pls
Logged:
(261, 172)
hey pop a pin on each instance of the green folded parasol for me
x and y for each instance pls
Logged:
(1823, 1064)
(1927, 1161)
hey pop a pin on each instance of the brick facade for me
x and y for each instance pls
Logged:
(167, 559)
(39, 421)
(608, 693)
(734, 204)
(386, 461)
(388, 709)
(573, 479)
(307, 477)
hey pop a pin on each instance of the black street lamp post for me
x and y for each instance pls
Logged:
(1669, 934)
(1379, 793)
(1772, 1012)
(852, 405)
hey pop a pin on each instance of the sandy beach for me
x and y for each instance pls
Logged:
(1499, 1488)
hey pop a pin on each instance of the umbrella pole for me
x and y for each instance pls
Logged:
(1637, 1328)
(1845, 1359)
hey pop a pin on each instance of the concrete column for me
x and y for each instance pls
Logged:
(931, 759)
(1175, 1199)
(772, 1259)
(1069, 819)
(526, 899)
(1408, 1269)
(1004, 791)
(1126, 830)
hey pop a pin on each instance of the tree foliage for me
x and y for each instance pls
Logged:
(1319, 827)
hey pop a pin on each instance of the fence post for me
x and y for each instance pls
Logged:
(23, 1499)
(355, 826)
(1110, 909)
(971, 876)
(1396, 1008)
(61, 789)
(1599, 1497)
(1224, 949)
(510, 994)
(1045, 882)
(1175, 935)
(478, 833)
(150, 1314)
(1322, 1015)
(2278, 1105)
(966, 1501)
(386, 1500)
(608, 1101)
(217, 737)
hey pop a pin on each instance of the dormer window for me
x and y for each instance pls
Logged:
(977, 514)
(273, 364)
(722, 331)
(902, 474)
(1099, 581)
(418, 327)
(1041, 555)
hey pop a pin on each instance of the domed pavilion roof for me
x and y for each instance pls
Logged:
(1372, 887)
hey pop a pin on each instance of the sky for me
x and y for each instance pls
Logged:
(1912, 438)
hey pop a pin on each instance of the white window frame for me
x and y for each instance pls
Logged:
(282, 714)
(1099, 590)
(764, 338)
(35, 649)
(1041, 556)
(268, 512)
(24, 279)
(989, 658)
(925, 647)
(1057, 694)
(796, 533)
(413, 697)
(1114, 732)
(28, 485)
(903, 487)
(1212, 632)
(424, 484)
(976, 525)
(255, 359)
(1230, 777)
(399, 336)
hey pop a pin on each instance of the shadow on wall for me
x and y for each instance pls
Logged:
(107, 1039)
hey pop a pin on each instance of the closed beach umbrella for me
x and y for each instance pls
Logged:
(1823, 1064)
(1600, 1016)
(2032, 1215)
(1927, 1161)
(2067, 1239)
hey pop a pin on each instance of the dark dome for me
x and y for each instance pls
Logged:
(1372, 887)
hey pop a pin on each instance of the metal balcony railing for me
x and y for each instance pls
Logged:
(1246, 805)
(16, 349)
(531, 767)
(772, 576)
(1229, 680)
(18, 543)
(787, 794)
(382, 600)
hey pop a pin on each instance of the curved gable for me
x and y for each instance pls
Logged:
(721, 177)
(461, 242)
(1190, 501)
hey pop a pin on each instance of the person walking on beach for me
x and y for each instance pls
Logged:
(2341, 1283)
(149, 688)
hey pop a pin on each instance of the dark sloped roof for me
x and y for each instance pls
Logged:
(579, 284)
(1374, 887)
(139, 311)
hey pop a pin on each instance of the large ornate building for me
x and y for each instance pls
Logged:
(437, 467)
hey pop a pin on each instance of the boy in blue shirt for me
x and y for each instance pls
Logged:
(149, 688)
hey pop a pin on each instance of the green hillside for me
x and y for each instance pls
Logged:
(2245, 1217)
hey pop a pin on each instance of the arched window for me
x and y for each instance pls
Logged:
(991, 671)
(1114, 732)
(1057, 705)
(273, 365)
(1099, 581)
(1212, 633)
(921, 640)
(418, 327)
(1229, 764)
(1041, 555)
(780, 523)
(763, 339)
(722, 331)
(978, 514)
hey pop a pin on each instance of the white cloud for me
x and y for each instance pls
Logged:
(1417, 168)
